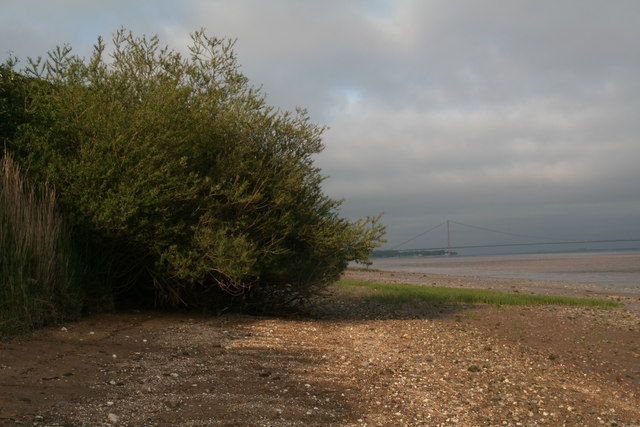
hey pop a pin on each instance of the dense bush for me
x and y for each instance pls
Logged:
(177, 174)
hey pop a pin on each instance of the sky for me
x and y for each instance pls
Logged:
(508, 115)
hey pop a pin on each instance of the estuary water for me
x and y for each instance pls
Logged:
(604, 270)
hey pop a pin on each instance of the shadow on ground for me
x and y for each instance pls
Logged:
(350, 306)
(168, 369)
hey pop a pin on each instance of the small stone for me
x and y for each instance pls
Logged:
(109, 403)
(39, 418)
(113, 418)
(92, 333)
(174, 375)
(115, 356)
(63, 329)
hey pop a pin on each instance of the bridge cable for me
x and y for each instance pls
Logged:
(419, 235)
(506, 232)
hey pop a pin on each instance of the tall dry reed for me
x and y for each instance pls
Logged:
(38, 269)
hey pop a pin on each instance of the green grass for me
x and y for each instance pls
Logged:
(403, 293)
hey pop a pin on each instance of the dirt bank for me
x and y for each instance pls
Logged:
(351, 363)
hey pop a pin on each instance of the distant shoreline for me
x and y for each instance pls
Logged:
(531, 273)
(442, 253)
(614, 270)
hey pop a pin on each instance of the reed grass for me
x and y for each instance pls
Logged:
(39, 273)
(402, 293)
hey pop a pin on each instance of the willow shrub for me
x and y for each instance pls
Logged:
(181, 178)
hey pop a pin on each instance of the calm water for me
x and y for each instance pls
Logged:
(614, 270)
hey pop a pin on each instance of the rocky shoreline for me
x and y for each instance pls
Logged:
(349, 363)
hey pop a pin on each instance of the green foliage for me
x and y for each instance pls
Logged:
(180, 177)
(15, 105)
(39, 271)
(401, 293)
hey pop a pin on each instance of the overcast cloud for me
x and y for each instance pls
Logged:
(522, 116)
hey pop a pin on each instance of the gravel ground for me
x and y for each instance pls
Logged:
(350, 363)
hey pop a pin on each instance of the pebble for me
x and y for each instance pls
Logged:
(397, 380)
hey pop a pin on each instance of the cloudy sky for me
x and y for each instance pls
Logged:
(515, 116)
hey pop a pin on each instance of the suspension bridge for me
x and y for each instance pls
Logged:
(542, 241)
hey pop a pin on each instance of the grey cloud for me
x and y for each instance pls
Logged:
(521, 113)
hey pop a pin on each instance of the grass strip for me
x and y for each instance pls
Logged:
(402, 293)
